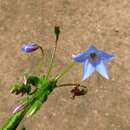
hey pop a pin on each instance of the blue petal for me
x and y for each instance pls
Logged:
(92, 49)
(105, 56)
(95, 63)
(101, 69)
(81, 57)
(88, 69)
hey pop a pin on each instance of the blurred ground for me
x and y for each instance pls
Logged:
(106, 23)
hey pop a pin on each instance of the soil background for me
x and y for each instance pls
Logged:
(105, 23)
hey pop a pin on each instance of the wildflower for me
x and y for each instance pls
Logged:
(29, 47)
(93, 59)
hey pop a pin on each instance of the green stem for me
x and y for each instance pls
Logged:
(65, 71)
(13, 122)
(52, 59)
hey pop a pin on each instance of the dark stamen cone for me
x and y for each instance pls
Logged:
(93, 56)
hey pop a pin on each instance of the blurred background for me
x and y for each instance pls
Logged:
(105, 23)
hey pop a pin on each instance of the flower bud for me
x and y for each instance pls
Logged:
(29, 47)
(57, 32)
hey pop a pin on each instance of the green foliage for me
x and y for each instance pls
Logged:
(20, 88)
(32, 102)
(34, 97)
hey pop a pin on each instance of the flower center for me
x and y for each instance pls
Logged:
(93, 56)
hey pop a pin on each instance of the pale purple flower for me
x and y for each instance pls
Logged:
(29, 47)
(93, 59)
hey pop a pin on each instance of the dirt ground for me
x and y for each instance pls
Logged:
(105, 23)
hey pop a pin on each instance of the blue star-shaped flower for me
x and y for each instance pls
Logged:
(93, 59)
(29, 47)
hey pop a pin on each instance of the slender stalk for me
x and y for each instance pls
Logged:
(71, 84)
(65, 71)
(52, 60)
(57, 33)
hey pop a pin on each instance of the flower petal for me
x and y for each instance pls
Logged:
(96, 62)
(81, 57)
(29, 47)
(105, 56)
(92, 49)
(18, 108)
(88, 69)
(101, 69)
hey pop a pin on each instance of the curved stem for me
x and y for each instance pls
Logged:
(71, 84)
(42, 51)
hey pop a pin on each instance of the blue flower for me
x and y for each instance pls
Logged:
(29, 47)
(93, 59)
